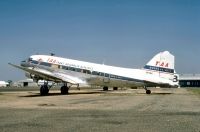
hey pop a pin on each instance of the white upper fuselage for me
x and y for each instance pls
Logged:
(127, 72)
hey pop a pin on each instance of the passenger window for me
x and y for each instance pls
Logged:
(106, 75)
(88, 72)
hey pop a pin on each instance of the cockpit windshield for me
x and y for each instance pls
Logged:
(30, 59)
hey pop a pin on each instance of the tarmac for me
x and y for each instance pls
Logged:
(89, 110)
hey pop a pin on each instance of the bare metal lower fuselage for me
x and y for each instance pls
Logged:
(89, 79)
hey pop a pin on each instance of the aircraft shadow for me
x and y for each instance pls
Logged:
(81, 93)
(59, 94)
(161, 93)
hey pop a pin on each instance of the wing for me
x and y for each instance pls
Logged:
(52, 75)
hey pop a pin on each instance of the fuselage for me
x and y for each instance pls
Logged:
(99, 74)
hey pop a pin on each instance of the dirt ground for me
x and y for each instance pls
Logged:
(96, 110)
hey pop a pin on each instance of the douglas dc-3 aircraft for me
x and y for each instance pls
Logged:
(159, 71)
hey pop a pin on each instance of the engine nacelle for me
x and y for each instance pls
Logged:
(29, 75)
(32, 76)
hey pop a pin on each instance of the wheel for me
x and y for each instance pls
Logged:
(105, 88)
(64, 90)
(115, 88)
(44, 90)
(148, 91)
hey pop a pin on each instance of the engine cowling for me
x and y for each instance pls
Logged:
(29, 75)
(32, 76)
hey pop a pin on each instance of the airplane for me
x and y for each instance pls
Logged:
(3, 84)
(158, 72)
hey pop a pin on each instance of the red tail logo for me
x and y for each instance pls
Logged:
(162, 64)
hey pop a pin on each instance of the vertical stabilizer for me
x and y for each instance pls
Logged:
(163, 62)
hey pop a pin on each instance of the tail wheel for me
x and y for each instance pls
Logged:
(105, 88)
(64, 90)
(148, 91)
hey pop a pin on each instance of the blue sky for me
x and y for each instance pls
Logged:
(125, 33)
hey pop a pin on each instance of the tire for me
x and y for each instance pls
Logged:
(115, 88)
(64, 90)
(105, 88)
(148, 91)
(44, 90)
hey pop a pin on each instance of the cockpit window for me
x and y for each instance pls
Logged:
(24, 61)
(30, 59)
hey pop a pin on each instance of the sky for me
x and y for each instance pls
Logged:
(125, 33)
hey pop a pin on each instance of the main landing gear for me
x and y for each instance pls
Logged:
(105, 88)
(44, 89)
(64, 90)
(147, 91)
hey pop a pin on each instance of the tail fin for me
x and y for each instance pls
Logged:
(163, 62)
(162, 66)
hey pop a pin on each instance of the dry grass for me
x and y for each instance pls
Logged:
(195, 90)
